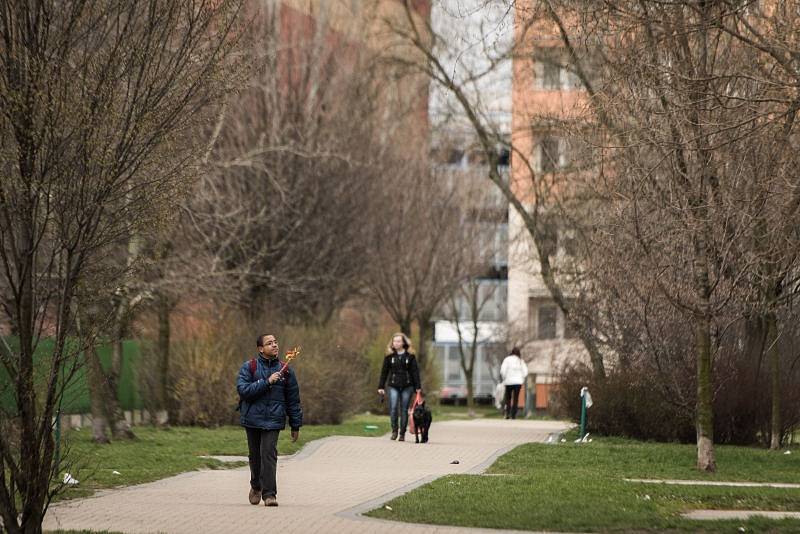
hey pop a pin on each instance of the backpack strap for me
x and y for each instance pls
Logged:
(253, 367)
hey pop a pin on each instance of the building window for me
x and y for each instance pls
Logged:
(549, 154)
(553, 153)
(501, 245)
(551, 75)
(487, 296)
(504, 157)
(569, 240)
(455, 156)
(546, 322)
(551, 71)
(453, 365)
(570, 79)
(492, 298)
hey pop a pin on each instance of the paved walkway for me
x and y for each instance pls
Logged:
(714, 515)
(323, 488)
(722, 483)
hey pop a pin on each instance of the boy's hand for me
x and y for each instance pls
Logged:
(295, 435)
(274, 377)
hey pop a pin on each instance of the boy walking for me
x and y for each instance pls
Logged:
(268, 398)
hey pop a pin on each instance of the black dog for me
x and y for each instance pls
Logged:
(422, 422)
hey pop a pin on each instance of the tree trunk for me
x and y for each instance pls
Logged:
(752, 355)
(405, 326)
(470, 393)
(776, 432)
(705, 410)
(164, 335)
(32, 524)
(120, 428)
(422, 350)
(96, 382)
(34, 476)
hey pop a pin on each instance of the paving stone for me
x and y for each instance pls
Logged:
(323, 488)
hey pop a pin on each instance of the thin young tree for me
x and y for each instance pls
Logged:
(417, 245)
(98, 104)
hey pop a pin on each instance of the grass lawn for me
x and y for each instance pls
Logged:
(572, 487)
(445, 412)
(159, 453)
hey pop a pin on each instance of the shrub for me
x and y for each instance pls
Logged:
(625, 404)
(204, 374)
(332, 373)
(649, 399)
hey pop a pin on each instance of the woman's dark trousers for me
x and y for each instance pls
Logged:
(511, 400)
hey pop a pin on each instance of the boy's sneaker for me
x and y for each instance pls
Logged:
(255, 496)
(394, 434)
(402, 437)
(270, 500)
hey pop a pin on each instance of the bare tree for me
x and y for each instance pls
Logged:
(672, 119)
(681, 105)
(98, 103)
(770, 32)
(532, 197)
(418, 245)
(466, 308)
(280, 214)
(277, 225)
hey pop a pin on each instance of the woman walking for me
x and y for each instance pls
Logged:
(514, 372)
(401, 370)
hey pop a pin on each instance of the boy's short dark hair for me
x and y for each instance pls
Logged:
(515, 351)
(260, 340)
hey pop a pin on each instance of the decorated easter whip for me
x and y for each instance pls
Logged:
(290, 355)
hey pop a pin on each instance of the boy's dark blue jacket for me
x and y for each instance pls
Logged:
(267, 406)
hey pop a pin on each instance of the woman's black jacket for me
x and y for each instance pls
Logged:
(400, 370)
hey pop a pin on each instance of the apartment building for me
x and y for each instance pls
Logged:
(463, 24)
(486, 295)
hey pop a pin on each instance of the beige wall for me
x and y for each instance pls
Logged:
(544, 357)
